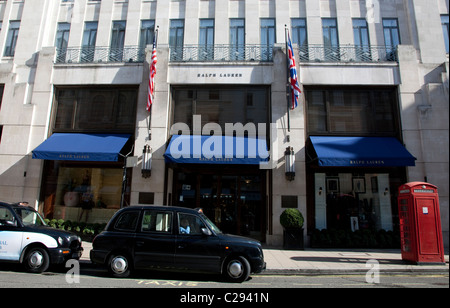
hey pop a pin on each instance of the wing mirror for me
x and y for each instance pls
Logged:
(206, 231)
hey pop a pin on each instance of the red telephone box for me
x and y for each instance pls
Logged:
(420, 223)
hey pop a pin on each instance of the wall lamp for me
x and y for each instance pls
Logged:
(147, 161)
(289, 157)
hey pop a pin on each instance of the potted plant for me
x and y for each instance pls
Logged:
(292, 221)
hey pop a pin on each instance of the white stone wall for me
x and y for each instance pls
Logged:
(29, 78)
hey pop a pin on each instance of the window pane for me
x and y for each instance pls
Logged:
(11, 40)
(230, 105)
(317, 113)
(346, 110)
(147, 33)
(127, 221)
(155, 221)
(445, 30)
(101, 109)
(64, 114)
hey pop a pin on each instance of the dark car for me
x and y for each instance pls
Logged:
(25, 238)
(173, 238)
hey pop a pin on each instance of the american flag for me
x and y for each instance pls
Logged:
(295, 88)
(151, 82)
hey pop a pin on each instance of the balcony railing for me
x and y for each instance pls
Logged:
(347, 54)
(230, 53)
(221, 53)
(100, 55)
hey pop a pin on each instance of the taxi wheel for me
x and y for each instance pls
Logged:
(36, 260)
(119, 266)
(236, 269)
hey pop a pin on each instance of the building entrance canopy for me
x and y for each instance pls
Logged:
(361, 152)
(82, 147)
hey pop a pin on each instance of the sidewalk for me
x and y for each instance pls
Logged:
(332, 261)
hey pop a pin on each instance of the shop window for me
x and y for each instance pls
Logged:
(221, 105)
(349, 201)
(354, 111)
(83, 193)
(95, 109)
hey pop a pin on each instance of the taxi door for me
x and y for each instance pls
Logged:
(195, 250)
(11, 235)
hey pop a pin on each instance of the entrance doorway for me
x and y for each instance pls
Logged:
(234, 202)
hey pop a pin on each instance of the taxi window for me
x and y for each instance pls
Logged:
(29, 217)
(190, 224)
(127, 221)
(157, 221)
(6, 216)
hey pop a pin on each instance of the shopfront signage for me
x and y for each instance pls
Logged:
(220, 75)
(367, 162)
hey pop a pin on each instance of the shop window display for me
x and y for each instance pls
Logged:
(345, 201)
(83, 194)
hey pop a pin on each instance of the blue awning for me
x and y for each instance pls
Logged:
(81, 147)
(186, 149)
(361, 152)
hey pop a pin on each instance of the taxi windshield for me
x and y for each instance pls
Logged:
(29, 217)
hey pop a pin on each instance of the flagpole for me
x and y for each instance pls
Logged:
(149, 130)
(288, 89)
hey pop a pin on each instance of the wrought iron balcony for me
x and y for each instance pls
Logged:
(263, 53)
(229, 53)
(100, 55)
(347, 54)
(221, 53)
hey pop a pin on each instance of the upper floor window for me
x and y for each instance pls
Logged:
(89, 39)
(11, 39)
(99, 109)
(233, 104)
(117, 41)
(444, 22)
(362, 41)
(237, 38)
(206, 39)
(147, 33)
(62, 40)
(176, 38)
(330, 38)
(268, 37)
(299, 36)
(391, 36)
(349, 110)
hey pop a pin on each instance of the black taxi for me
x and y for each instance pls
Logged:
(173, 238)
(26, 239)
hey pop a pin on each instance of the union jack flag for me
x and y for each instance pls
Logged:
(295, 88)
(151, 82)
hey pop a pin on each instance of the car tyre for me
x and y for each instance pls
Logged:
(236, 269)
(36, 260)
(119, 266)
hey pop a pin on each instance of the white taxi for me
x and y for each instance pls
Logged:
(26, 239)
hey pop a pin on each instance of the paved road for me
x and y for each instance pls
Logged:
(12, 276)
